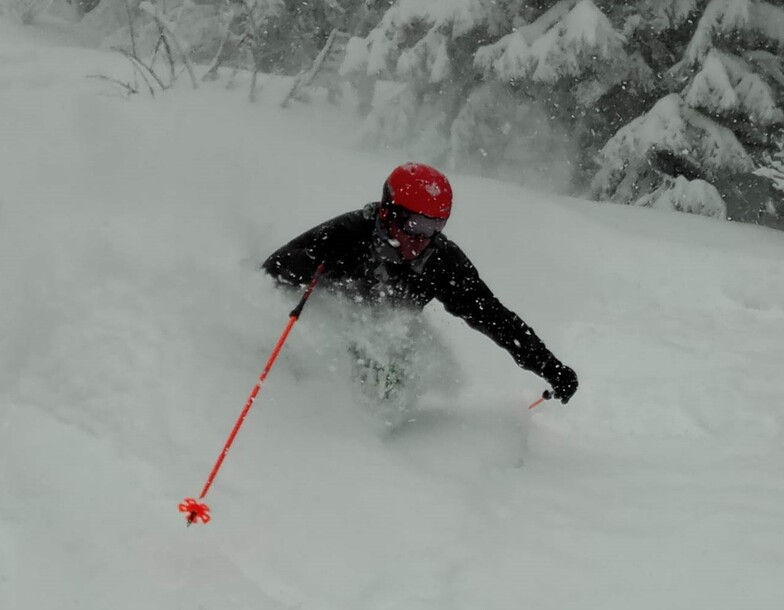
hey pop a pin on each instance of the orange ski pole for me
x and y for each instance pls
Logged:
(546, 396)
(198, 510)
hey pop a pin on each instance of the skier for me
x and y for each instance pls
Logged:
(393, 253)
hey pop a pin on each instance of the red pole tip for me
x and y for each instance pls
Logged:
(196, 511)
(546, 396)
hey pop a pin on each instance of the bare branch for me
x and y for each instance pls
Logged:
(130, 27)
(129, 89)
(170, 57)
(144, 70)
(172, 38)
(212, 71)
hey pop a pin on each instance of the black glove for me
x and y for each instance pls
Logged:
(562, 379)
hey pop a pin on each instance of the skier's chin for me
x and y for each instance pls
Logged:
(411, 255)
(401, 253)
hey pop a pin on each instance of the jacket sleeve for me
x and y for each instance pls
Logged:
(465, 295)
(296, 262)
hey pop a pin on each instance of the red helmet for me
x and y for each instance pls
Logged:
(420, 189)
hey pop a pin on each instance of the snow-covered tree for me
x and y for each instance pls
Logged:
(733, 63)
(429, 46)
(277, 36)
(123, 24)
(726, 85)
(719, 121)
(683, 195)
(653, 160)
(292, 39)
(663, 15)
(498, 134)
(576, 62)
(571, 40)
(771, 168)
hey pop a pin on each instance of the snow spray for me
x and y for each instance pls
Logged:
(199, 511)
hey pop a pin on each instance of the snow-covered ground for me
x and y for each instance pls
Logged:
(134, 323)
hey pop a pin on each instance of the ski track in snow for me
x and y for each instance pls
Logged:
(134, 324)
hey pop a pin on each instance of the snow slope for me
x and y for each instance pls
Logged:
(134, 323)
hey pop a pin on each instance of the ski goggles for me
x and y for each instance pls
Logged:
(416, 225)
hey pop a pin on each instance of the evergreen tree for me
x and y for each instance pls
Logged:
(573, 61)
(295, 35)
(727, 106)
(653, 160)
(604, 72)
(429, 46)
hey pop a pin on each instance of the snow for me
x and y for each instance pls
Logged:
(510, 56)
(726, 16)
(379, 51)
(673, 127)
(356, 58)
(769, 20)
(428, 55)
(441, 66)
(693, 196)
(585, 25)
(565, 41)
(726, 83)
(134, 324)
(668, 14)
(462, 15)
(711, 88)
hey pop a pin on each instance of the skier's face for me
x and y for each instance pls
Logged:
(409, 246)
(410, 234)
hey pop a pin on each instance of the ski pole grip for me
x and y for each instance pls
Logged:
(547, 395)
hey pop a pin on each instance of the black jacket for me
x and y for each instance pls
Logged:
(346, 244)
